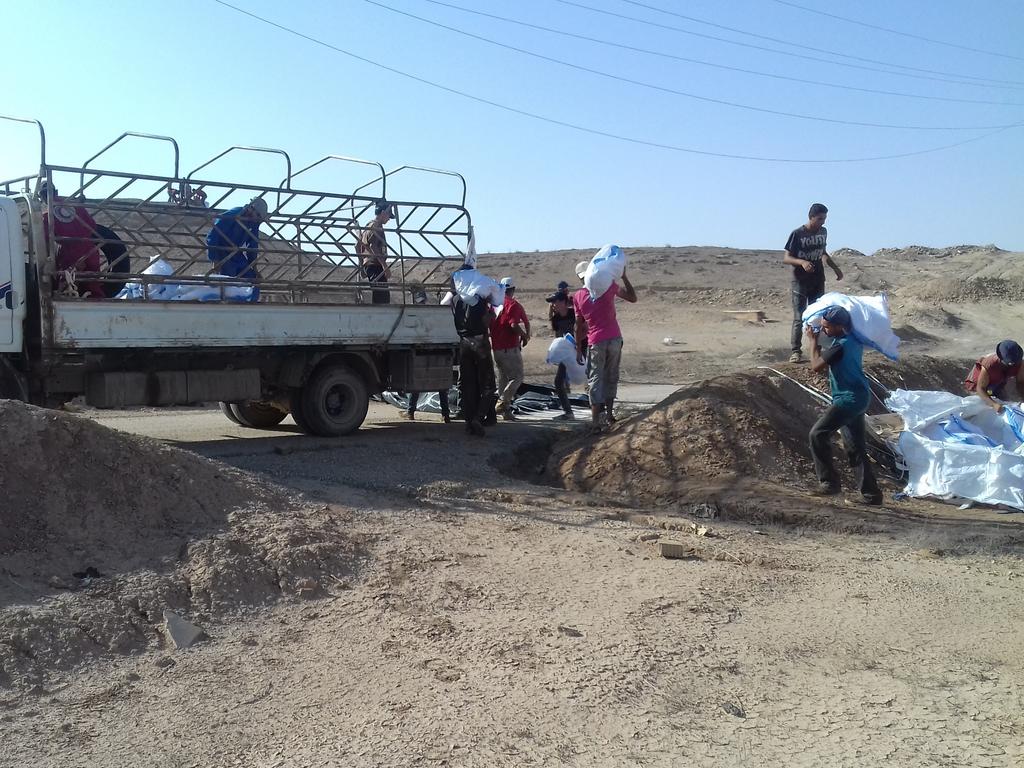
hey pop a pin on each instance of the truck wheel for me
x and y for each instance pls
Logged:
(256, 414)
(334, 401)
(225, 408)
(297, 415)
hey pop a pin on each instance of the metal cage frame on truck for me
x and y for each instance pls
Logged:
(312, 289)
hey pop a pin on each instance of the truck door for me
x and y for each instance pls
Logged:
(12, 277)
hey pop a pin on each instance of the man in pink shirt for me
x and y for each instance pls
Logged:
(597, 326)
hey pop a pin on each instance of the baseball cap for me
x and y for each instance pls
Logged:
(1009, 352)
(838, 316)
(259, 207)
(508, 282)
(581, 268)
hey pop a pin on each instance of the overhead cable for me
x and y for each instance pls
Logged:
(594, 131)
(789, 53)
(702, 62)
(685, 94)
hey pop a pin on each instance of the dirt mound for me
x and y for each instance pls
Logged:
(104, 531)
(746, 429)
(969, 290)
(750, 425)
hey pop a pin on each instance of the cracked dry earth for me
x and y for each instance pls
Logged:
(497, 623)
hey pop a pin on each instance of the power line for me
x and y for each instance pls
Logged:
(818, 50)
(594, 131)
(899, 32)
(684, 94)
(791, 54)
(675, 57)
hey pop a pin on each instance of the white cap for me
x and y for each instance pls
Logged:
(259, 207)
(508, 282)
(581, 269)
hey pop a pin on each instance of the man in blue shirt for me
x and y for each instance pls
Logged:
(850, 397)
(234, 241)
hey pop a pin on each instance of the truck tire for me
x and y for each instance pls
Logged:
(257, 414)
(225, 408)
(297, 415)
(334, 402)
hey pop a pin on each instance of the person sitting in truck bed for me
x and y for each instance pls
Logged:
(233, 242)
(116, 254)
(74, 230)
(372, 247)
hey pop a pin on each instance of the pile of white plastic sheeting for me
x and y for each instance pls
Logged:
(870, 316)
(184, 291)
(960, 448)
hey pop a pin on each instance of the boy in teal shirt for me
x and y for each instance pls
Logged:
(850, 397)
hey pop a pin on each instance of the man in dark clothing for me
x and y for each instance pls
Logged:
(116, 254)
(442, 396)
(563, 323)
(477, 385)
(805, 252)
(373, 248)
(850, 398)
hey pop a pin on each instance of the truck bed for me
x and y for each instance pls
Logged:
(155, 324)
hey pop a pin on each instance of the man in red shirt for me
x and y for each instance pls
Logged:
(990, 374)
(598, 327)
(75, 232)
(510, 331)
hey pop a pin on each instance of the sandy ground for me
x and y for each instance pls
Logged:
(495, 621)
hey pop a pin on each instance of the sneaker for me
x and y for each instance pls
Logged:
(475, 428)
(874, 499)
(826, 489)
(565, 417)
(796, 357)
(409, 416)
(446, 418)
(507, 415)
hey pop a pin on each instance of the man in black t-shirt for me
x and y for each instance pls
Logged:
(805, 252)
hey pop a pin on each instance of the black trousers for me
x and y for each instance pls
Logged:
(851, 423)
(478, 388)
(442, 396)
(803, 297)
(375, 274)
(562, 388)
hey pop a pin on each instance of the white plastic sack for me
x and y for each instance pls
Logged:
(183, 292)
(607, 266)
(959, 448)
(472, 285)
(870, 316)
(562, 351)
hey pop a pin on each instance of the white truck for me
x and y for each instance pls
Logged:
(313, 345)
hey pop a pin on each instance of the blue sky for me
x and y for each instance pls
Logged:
(212, 77)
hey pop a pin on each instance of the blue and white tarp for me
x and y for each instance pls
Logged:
(870, 315)
(960, 448)
(184, 291)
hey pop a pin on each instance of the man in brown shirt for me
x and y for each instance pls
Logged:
(372, 246)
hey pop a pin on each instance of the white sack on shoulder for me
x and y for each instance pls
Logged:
(870, 316)
(607, 266)
(472, 284)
